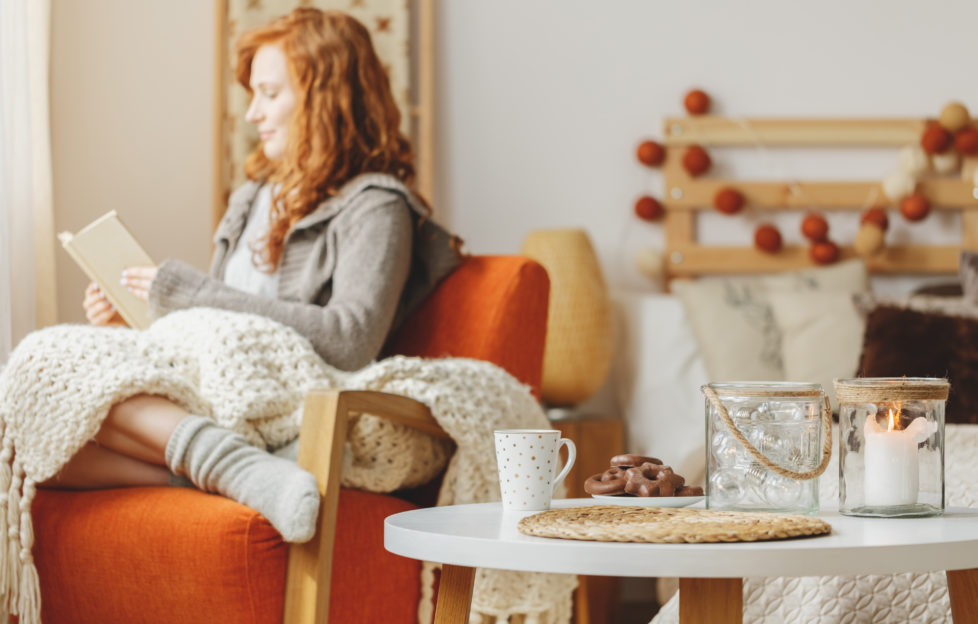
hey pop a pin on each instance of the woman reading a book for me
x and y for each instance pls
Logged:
(326, 237)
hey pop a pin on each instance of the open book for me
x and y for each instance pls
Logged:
(103, 249)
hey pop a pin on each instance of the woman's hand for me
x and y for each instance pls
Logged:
(138, 280)
(98, 310)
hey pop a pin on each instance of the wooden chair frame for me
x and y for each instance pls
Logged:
(326, 419)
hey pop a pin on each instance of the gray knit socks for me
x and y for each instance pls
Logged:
(219, 460)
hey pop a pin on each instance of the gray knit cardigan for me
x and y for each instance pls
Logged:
(349, 273)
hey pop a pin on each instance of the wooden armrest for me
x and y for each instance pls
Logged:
(325, 419)
(394, 407)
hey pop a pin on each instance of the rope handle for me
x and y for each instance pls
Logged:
(761, 457)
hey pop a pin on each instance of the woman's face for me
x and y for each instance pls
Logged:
(273, 99)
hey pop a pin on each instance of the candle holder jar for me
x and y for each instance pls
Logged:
(891, 446)
(767, 443)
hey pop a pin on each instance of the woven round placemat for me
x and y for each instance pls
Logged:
(614, 523)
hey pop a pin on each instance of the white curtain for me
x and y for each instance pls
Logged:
(27, 284)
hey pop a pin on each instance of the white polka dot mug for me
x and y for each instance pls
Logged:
(527, 461)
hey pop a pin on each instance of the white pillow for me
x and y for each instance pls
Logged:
(821, 336)
(734, 324)
(657, 374)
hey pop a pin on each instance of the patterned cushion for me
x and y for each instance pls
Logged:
(733, 322)
(821, 336)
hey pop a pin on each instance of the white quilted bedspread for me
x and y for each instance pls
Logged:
(913, 597)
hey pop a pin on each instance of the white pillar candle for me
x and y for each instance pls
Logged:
(892, 470)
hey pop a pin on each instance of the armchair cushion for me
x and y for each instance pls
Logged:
(492, 308)
(200, 558)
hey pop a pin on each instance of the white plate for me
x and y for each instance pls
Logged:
(648, 501)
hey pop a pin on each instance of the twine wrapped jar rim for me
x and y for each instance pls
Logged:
(766, 389)
(875, 389)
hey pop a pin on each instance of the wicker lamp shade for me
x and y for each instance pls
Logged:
(579, 341)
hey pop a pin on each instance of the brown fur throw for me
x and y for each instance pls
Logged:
(900, 342)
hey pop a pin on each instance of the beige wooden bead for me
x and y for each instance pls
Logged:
(898, 184)
(954, 116)
(913, 160)
(649, 262)
(869, 240)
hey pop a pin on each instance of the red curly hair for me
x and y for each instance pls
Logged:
(345, 122)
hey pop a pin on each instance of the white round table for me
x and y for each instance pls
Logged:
(464, 537)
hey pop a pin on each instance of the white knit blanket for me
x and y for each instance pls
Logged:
(251, 374)
(918, 597)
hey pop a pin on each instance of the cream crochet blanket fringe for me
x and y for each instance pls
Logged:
(250, 374)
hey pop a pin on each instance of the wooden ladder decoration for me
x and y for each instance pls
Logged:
(685, 195)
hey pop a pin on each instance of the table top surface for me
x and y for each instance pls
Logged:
(483, 535)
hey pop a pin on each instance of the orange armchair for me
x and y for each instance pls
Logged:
(181, 556)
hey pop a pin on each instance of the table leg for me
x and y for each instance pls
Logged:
(454, 594)
(582, 605)
(962, 589)
(711, 600)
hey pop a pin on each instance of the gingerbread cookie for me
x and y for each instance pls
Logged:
(627, 461)
(639, 475)
(652, 480)
(608, 483)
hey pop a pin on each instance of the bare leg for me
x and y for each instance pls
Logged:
(129, 450)
(140, 427)
(96, 467)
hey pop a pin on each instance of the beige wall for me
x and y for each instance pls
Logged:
(539, 131)
(132, 110)
(132, 126)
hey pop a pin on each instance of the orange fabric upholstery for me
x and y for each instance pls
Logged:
(180, 556)
(195, 557)
(492, 308)
(167, 534)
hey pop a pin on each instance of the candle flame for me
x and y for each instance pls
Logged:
(892, 421)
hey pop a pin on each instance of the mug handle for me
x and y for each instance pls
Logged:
(571, 457)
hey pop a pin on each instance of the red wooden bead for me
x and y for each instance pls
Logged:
(935, 139)
(814, 227)
(728, 200)
(696, 161)
(648, 208)
(966, 142)
(697, 102)
(650, 153)
(876, 215)
(914, 207)
(824, 252)
(767, 238)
